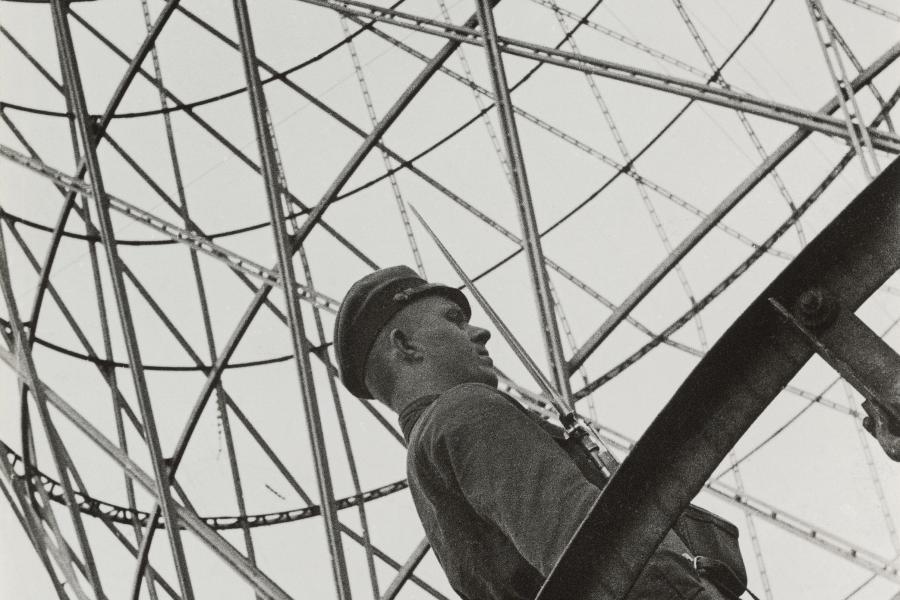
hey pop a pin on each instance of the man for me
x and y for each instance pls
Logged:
(499, 492)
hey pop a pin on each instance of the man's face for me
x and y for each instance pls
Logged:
(449, 344)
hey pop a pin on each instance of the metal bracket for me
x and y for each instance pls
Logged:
(858, 354)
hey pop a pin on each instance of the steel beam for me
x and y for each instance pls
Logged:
(218, 136)
(406, 570)
(272, 180)
(721, 398)
(740, 269)
(530, 231)
(72, 81)
(28, 374)
(99, 127)
(342, 423)
(26, 519)
(730, 201)
(186, 517)
(377, 133)
(682, 87)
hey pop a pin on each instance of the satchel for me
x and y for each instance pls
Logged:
(713, 541)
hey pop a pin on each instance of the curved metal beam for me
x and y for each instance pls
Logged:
(753, 361)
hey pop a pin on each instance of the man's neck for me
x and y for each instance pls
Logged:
(408, 392)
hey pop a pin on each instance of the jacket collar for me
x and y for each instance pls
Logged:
(412, 411)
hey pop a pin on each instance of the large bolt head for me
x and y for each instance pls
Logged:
(816, 308)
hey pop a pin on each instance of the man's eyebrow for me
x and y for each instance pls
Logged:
(453, 310)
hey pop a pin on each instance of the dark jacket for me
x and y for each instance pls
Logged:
(499, 499)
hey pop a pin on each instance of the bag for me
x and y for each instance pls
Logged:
(714, 543)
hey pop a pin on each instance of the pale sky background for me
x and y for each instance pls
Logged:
(821, 468)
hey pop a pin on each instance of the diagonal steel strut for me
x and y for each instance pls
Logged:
(274, 192)
(694, 237)
(634, 75)
(72, 80)
(530, 232)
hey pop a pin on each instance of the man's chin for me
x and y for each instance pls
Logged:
(489, 378)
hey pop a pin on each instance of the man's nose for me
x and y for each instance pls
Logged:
(479, 335)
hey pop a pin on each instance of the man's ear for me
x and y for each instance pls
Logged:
(402, 347)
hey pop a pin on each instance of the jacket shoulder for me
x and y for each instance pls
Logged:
(472, 400)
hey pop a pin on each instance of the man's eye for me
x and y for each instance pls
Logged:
(456, 317)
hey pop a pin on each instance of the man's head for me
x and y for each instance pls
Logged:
(398, 334)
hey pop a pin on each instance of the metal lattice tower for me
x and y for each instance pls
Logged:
(171, 428)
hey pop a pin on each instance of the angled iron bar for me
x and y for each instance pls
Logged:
(378, 132)
(31, 59)
(858, 66)
(218, 136)
(716, 215)
(109, 375)
(26, 521)
(98, 127)
(190, 238)
(397, 566)
(203, 301)
(386, 161)
(856, 130)
(552, 5)
(566, 137)
(151, 572)
(24, 366)
(296, 327)
(72, 81)
(745, 122)
(540, 281)
(658, 226)
(740, 269)
(875, 9)
(682, 87)
(834, 544)
(406, 570)
(188, 518)
(79, 333)
(45, 512)
(345, 435)
(467, 74)
(119, 404)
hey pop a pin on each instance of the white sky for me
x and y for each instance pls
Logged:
(816, 469)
